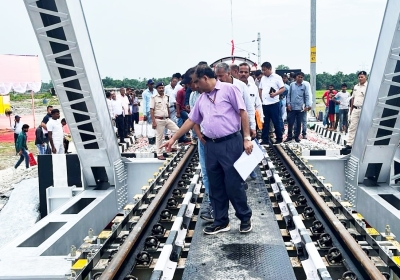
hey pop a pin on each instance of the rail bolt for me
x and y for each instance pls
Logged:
(386, 274)
(295, 190)
(317, 227)
(158, 230)
(334, 255)
(172, 202)
(301, 200)
(130, 277)
(166, 215)
(349, 275)
(151, 242)
(181, 184)
(96, 276)
(309, 212)
(143, 258)
(291, 182)
(325, 240)
(177, 193)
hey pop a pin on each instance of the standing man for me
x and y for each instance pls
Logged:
(182, 111)
(298, 103)
(22, 149)
(282, 99)
(39, 141)
(109, 104)
(258, 74)
(135, 110)
(17, 130)
(146, 96)
(170, 92)
(43, 125)
(355, 109)
(326, 99)
(127, 111)
(159, 110)
(244, 75)
(118, 111)
(343, 99)
(234, 70)
(56, 133)
(271, 86)
(221, 112)
(223, 74)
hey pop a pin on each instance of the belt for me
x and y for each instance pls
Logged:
(161, 118)
(355, 107)
(221, 139)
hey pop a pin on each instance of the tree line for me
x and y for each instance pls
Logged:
(323, 81)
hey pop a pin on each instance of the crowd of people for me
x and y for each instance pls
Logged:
(223, 109)
(52, 136)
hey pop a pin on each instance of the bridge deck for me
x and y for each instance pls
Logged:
(260, 254)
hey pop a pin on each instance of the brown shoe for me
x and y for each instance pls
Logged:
(161, 158)
(174, 149)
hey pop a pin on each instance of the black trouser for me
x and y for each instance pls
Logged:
(294, 116)
(15, 142)
(127, 124)
(272, 112)
(225, 182)
(135, 119)
(66, 145)
(119, 121)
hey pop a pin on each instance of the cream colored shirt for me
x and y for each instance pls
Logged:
(160, 105)
(358, 94)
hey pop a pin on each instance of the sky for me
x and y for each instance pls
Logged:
(156, 38)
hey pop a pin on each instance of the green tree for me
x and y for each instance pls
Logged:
(282, 67)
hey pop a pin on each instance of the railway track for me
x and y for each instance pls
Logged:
(324, 238)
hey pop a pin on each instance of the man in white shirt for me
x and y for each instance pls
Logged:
(127, 110)
(169, 91)
(17, 130)
(56, 133)
(244, 76)
(118, 112)
(109, 104)
(343, 98)
(271, 86)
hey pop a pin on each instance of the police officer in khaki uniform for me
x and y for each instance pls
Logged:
(355, 108)
(159, 111)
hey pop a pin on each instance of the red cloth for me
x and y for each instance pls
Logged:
(326, 94)
(180, 98)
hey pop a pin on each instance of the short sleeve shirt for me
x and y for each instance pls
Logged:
(160, 105)
(359, 93)
(272, 81)
(326, 95)
(218, 111)
(55, 127)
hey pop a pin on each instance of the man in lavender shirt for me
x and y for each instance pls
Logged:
(221, 110)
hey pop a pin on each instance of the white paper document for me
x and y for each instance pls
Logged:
(246, 163)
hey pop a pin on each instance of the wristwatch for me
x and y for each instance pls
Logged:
(247, 138)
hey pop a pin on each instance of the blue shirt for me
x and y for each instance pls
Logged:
(298, 96)
(146, 95)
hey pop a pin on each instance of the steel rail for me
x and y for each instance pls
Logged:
(350, 242)
(115, 265)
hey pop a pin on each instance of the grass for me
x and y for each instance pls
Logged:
(7, 152)
(22, 96)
